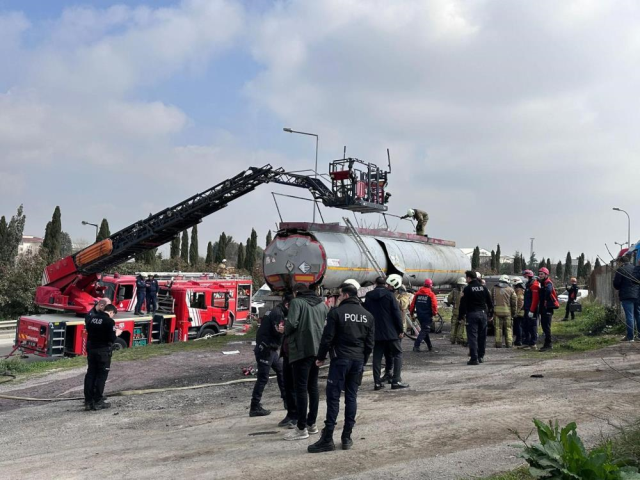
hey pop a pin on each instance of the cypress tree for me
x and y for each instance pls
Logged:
(3, 230)
(209, 259)
(523, 263)
(549, 264)
(475, 259)
(597, 264)
(184, 247)
(175, 248)
(581, 266)
(104, 231)
(587, 270)
(241, 257)
(251, 250)
(53, 237)
(543, 263)
(517, 266)
(66, 245)
(193, 248)
(568, 267)
(13, 237)
(269, 239)
(559, 271)
(498, 259)
(221, 251)
(493, 260)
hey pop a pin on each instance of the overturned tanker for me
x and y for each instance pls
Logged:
(328, 254)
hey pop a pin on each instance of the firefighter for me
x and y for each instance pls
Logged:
(572, 295)
(548, 303)
(152, 294)
(518, 320)
(458, 331)
(476, 304)
(504, 308)
(268, 340)
(141, 294)
(101, 335)
(421, 217)
(404, 301)
(349, 333)
(530, 313)
(425, 306)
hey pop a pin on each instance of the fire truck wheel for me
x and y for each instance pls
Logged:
(119, 344)
(208, 333)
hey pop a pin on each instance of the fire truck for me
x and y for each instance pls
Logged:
(188, 308)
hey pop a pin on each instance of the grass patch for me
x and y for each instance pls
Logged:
(18, 366)
(521, 473)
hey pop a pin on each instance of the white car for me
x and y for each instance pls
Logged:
(257, 302)
(582, 294)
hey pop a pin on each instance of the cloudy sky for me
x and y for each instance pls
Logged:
(505, 119)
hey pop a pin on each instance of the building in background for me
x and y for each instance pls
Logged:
(30, 245)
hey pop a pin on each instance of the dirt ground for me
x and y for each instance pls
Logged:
(455, 421)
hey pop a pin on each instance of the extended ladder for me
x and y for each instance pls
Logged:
(363, 246)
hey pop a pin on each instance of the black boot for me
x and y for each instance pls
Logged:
(325, 444)
(347, 443)
(256, 410)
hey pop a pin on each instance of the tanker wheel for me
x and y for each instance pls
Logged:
(119, 344)
(438, 323)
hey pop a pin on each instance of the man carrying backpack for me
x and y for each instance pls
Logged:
(548, 303)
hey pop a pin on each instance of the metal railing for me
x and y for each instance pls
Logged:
(8, 324)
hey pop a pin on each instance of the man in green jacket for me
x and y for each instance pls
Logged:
(303, 331)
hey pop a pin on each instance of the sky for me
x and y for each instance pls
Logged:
(505, 120)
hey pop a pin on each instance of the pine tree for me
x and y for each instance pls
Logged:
(493, 261)
(209, 259)
(597, 264)
(52, 237)
(475, 259)
(175, 248)
(184, 247)
(498, 259)
(104, 231)
(221, 251)
(193, 248)
(241, 257)
(559, 271)
(269, 239)
(568, 268)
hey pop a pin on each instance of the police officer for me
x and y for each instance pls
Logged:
(101, 334)
(349, 334)
(141, 294)
(458, 333)
(475, 304)
(98, 307)
(152, 294)
(268, 340)
(421, 217)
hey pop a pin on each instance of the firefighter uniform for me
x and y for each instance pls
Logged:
(404, 301)
(421, 217)
(504, 304)
(518, 320)
(458, 331)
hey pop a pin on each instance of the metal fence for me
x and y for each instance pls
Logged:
(601, 288)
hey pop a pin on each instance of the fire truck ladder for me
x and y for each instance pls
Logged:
(363, 246)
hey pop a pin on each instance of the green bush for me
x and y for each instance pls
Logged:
(561, 456)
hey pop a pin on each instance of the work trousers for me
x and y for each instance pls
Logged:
(503, 330)
(545, 320)
(568, 311)
(458, 331)
(98, 365)
(289, 388)
(394, 348)
(425, 327)
(518, 327)
(152, 299)
(631, 310)
(477, 334)
(530, 330)
(140, 302)
(305, 375)
(266, 362)
(345, 375)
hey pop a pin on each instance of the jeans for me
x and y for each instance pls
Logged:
(99, 363)
(266, 361)
(530, 330)
(140, 302)
(305, 375)
(289, 388)
(344, 375)
(518, 323)
(425, 326)
(393, 348)
(632, 313)
(545, 321)
(152, 298)
(477, 334)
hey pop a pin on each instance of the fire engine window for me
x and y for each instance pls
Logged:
(198, 301)
(244, 297)
(218, 300)
(125, 292)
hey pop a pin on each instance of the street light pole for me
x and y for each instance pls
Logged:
(628, 225)
(315, 170)
(93, 224)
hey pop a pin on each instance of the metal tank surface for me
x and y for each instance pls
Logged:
(327, 254)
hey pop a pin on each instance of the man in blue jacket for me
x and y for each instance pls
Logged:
(381, 303)
(141, 294)
(152, 294)
(627, 282)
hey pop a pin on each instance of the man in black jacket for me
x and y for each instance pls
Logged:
(389, 332)
(349, 333)
(268, 340)
(572, 296)
(101, 334)
(475, 303)
(627, 282)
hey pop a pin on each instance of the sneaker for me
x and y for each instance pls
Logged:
(287, 422)
(101, 405)
(481, 360)
(259, 411)
(399, 385)
(533, 347)
(325, 444)
(297, 434)
(626, 339)
(378, 386)
(473, 362)
(312, 429)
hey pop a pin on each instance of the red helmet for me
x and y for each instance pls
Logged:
(527, 273)
(428, 282)
(544, 270)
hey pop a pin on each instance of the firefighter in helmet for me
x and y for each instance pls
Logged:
(421, 217)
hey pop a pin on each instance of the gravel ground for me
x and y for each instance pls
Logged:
(455, 421)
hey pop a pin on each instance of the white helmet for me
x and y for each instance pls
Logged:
(353, 282)
(517, 281)
(395, 281)
(462, 281)
(478, 275)
(504, 279)
(410, 212)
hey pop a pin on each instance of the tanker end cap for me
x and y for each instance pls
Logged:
(93, 253)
